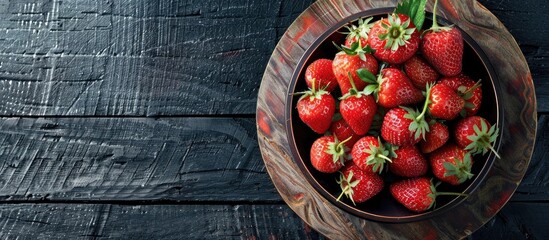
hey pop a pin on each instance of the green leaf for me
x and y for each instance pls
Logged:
(415, 9)
(368, 90)
(366, 75)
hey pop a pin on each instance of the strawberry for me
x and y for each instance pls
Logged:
(358, 32)
(404, 126)
(476, 135)
(437, 136)
(358, 109)
(444, 102)
(320, 71)
(316, 109)
(328, 155)
(341, 129)
(417, 194)
(394, 39)
(420, 72)
(467, 89)
(370, 155)
(349, 60)
(442, 47)
(451, 164)
(358, 185)
(409, 162)
(395, 89)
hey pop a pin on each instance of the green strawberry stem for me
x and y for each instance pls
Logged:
(435, 27)
(360, 31)
(434, 194)
(384, 157)
(337, 150)
(460, 168)
(347, 190)
(419, 126)
(467, 93)
(426, 103)
(398, 32)
(494, 151)
(312, 93)
(482, 140)
(451, 194)
(343, 191)
(435, 24)
(378, 155)
(356, 49)
(353, 91)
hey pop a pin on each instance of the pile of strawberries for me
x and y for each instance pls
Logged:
(401, 88)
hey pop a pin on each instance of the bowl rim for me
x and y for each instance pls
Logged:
(296, 157)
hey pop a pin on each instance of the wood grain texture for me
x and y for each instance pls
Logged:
(151, 58)
(531, 37)
(168, 159)
(91, 221)
(125, 159)
(517, 221)
(111, 221)
(139, 58)
(535, 185)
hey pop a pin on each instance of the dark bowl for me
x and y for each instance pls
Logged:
(383, 207)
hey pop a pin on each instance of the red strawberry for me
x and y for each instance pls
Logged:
(341, 129)
(443, 48)
(395, 89)
(420, 72)
(409, 162)
(476, 135)
(444, 102)
(394, 39)
(358, 109)
(437, 136)
(451, 164)
(316, 109)
(349, 61)
(370, 155)
(358, 32)
(328, 155)
(358, 185)
(320, 71)
(404, 126)
(417, 194)
(468, 89)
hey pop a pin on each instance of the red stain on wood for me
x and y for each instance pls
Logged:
(263, 122)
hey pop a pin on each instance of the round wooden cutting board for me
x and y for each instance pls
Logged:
(517, 134)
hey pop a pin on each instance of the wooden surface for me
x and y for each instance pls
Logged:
(318, 206)
(136, 119)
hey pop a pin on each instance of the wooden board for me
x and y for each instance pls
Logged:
(173, 159)
(100, 69)
(132, 159)
(112, 221)
(138, 58)
(515, 89)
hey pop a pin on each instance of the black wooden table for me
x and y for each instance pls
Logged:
(136, 119)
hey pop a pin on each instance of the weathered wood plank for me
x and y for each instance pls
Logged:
(102, 221)
(140, 58)
(192, 159)
(195, 159)
(535, 185)
(67, 221)
(523, 21)
(517, 221)
(137, 57)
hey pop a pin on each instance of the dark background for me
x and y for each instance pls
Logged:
(136, 119)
